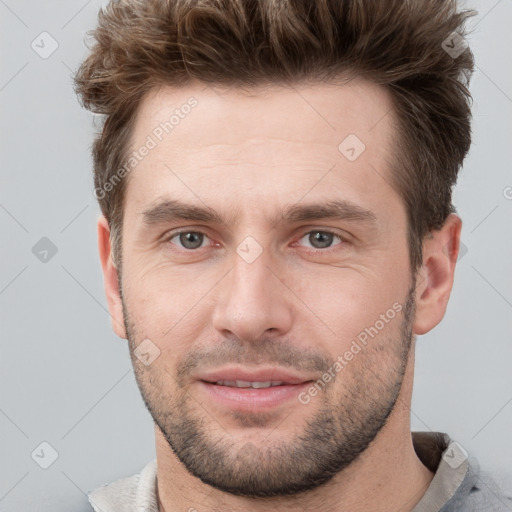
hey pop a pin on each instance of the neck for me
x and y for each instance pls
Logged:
(387, 477)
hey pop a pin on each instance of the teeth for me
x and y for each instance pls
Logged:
(247, 384)
(261, 384)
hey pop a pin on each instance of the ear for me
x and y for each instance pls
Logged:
(435, 277)
(110, 278)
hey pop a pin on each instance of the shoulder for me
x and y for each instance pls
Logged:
(459, 484)
(130, 494)
(480, 491)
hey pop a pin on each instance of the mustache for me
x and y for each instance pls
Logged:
(269, 352)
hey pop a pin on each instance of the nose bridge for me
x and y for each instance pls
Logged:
(249, 278)
(252, 300)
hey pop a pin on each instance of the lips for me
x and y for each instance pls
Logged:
(260, 378)
(252, 390)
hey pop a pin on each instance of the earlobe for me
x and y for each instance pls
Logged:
(110, 278)
(435, 277)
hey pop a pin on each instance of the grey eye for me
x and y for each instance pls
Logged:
(190, 239)
(320, 239)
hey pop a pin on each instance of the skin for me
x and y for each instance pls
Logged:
(248, 155)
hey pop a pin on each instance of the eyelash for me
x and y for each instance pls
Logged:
(342, 240)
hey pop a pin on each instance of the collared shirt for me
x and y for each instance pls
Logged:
(458, 483)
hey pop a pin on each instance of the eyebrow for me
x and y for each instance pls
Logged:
(171, 210)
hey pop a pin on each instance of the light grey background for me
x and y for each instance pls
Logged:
(66, 379)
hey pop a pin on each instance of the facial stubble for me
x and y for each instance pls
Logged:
(271, 465)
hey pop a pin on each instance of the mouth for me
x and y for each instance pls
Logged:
(243, 384)
(252, 389)
(246, 377)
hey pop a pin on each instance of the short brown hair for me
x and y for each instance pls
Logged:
(398, 44)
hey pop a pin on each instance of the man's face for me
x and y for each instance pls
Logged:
(303, 262)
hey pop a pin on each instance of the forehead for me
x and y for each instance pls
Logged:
(266, 111)
(274, 141)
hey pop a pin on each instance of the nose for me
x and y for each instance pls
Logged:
(253, 302)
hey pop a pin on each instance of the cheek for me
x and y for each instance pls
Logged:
(346, 303)
(168, 307)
